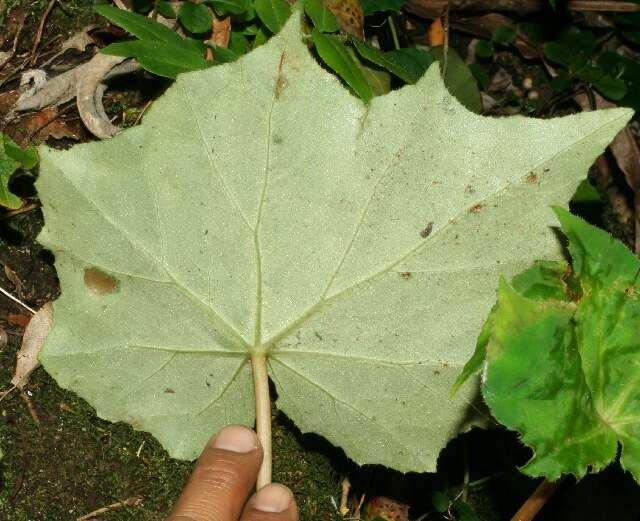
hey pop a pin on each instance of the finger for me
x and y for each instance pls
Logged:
(222, 478)
(272, 502)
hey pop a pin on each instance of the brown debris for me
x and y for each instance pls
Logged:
(34, 337)
(38, 37)
(433, 8)
(130, 502)
(349, 15)
(387, 509)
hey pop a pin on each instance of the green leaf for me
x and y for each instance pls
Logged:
(586, 194)
(464, 511)
(590, 73)
(160, 58)
(390, 62)
(484, 49)
(612, 88)
(138, 25)
(165, 9)
(370, 7)
(260, 206)
(582, 399)
(238, 44)
(480, 74)
(223, 55)
(379, 80)
(334, 53)
(233, 7)
(573, 48)
(414, 62)
(440, 501)
(195, 18)
(12, 157)
(628, 71)
(504, 35)
(557, 53)
(459, 79)
(261, 38)
(322, 18)
(562, 81)
(273, 13)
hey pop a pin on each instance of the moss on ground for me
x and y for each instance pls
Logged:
(73, 462)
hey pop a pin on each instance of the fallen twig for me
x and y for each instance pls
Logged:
(30, 407)
(434, 8)
(536, 501)
(38, 37)
(14, 47)
(131, 502)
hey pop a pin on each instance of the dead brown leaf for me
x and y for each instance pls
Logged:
(7, 100)
(47, 124)
(34, 337)
(349, 15)
(387, 509)
(12, 276)
(435, 34)
(17, 319)
(221, 31)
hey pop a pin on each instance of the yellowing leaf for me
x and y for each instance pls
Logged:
(349, 15)
(359, 246)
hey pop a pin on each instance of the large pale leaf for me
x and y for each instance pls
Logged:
(261, 206)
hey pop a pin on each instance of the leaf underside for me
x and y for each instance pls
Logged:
(261, 206)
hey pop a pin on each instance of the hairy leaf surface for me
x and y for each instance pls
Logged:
(261, 206)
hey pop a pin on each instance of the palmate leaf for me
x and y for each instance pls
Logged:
(578, 330)
(358, 245)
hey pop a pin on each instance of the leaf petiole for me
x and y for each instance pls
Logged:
(263, 414)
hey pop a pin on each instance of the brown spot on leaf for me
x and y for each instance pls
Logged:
(427, 230)
(281, 85)
(476, 208)
(532, 178)
(406, 275)
(98, 283)
(168, 390)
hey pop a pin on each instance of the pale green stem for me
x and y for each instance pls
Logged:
(263, 415)
(394, 33)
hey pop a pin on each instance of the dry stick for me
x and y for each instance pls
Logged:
(17, 300)
(131, 502)
(36, 40)
(263, 415)
(536, 501)
(445, 58)
(30, 407)
(12, 52)
(433, 8)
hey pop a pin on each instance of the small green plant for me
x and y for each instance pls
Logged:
(503, 35)
(12, 158)
(576, 52)
(161, 51)
(560, 356)
(453, 508)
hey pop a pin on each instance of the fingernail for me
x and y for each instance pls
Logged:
(272, 498)
(235, 438)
